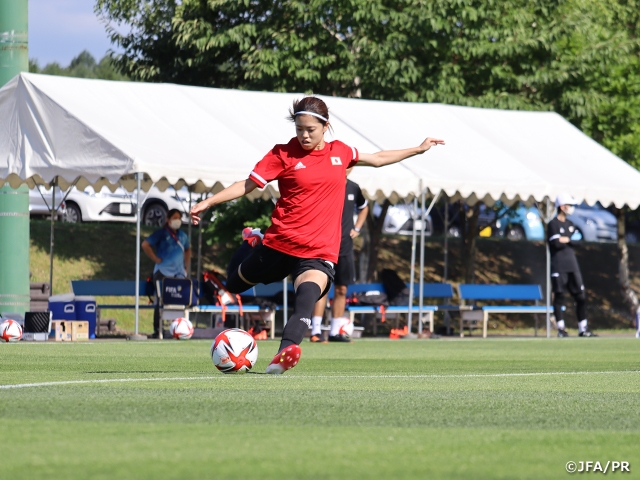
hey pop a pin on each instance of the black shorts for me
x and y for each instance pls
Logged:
(567, 281)
(345, 270)
(266, 265)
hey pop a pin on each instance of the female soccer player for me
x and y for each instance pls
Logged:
(304, 237)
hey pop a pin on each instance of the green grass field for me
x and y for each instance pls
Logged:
(472, 408)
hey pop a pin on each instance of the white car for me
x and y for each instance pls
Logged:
(120, 206)
(399, 220)
(40, 200)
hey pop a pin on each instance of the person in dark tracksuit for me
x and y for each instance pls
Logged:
(565, 271)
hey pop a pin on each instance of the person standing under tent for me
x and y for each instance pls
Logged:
(565, 272)
(172, 253)
(341, 328)
(304, 237)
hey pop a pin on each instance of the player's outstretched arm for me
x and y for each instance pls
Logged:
(387, 157)
(236, 190)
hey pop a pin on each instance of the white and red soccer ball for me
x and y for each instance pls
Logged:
(234, 351)
(10, 331)
(345, 326)
(181, 329)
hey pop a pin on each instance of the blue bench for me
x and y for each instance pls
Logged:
(430, 290)
(259, 290)
(510, 293)
(110, 288)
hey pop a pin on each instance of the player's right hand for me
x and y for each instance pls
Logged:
(197, 210)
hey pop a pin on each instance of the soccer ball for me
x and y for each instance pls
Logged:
(10, 331)
(181, 329)
(234, 351)
(346, 326)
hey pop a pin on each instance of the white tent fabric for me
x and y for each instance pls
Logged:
(103, 132)
(494, 154)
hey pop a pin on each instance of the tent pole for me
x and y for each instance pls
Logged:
(421, 281)
(413, 267)
(424, 220)
(189, 233)
(51, 238)
(137, 336)
(445, 274)
(199, 264)
(548, 295)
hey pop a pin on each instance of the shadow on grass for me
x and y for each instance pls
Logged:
(111, 247)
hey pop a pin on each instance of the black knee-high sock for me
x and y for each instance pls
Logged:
(307, 295)
(234, 283)
(238, 257)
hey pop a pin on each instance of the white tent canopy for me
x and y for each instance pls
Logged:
(103, 132)
(495, 154)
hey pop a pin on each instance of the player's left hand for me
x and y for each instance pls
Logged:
(353, 233)
(428, 143)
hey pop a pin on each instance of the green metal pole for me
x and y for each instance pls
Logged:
(14, 47)
(14, 249)
(14, 203)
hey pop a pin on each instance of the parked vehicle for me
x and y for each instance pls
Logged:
(40, 200)
(595, 223)
(399, 220)
(519, 223)
(119, 206)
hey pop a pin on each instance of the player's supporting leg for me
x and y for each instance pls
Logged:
(307, 294)
(558, 307)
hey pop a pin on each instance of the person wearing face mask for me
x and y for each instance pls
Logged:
(169, 249)
(565, 272)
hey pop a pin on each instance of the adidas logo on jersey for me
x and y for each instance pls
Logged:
(299, 166)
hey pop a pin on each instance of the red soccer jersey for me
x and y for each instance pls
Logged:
(306, 221)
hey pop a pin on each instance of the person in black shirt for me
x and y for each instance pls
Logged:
(345, 268)
(565, 272)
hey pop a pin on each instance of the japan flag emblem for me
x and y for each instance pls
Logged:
(336, 161)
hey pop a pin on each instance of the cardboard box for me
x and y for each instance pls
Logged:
(70, 330)
(79, 331)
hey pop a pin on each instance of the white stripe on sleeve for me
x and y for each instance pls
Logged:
(258, 177)
(354, 153)
(554, 237)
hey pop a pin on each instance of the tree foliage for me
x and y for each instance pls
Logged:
(576, 57)
(580, 58)
(82, 66)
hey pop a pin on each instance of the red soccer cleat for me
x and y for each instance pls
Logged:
(252, 236)
(285, 360)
